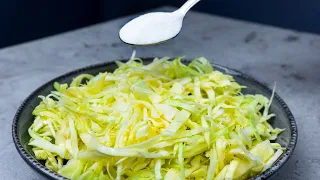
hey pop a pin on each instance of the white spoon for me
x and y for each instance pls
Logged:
(156, 27)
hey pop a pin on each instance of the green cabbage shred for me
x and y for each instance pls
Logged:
(164, 120)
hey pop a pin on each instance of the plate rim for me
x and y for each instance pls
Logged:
(34, 164)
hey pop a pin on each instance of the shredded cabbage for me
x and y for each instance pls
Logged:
(164, 120)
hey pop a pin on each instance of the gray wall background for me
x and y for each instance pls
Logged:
(22, 20)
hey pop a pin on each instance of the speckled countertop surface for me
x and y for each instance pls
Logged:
(270, 54)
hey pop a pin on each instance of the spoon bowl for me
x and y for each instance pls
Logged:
(149, 44)
(156, 27)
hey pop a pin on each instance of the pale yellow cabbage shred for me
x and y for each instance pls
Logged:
(164, 120)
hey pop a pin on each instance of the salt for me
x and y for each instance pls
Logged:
(152, 28)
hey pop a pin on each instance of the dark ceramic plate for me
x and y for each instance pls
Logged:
(24, 118)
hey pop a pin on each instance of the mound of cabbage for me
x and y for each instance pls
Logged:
(164, 120)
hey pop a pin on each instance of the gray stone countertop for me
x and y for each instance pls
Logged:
(290, 58)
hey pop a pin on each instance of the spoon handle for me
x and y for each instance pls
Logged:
(187, 6)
